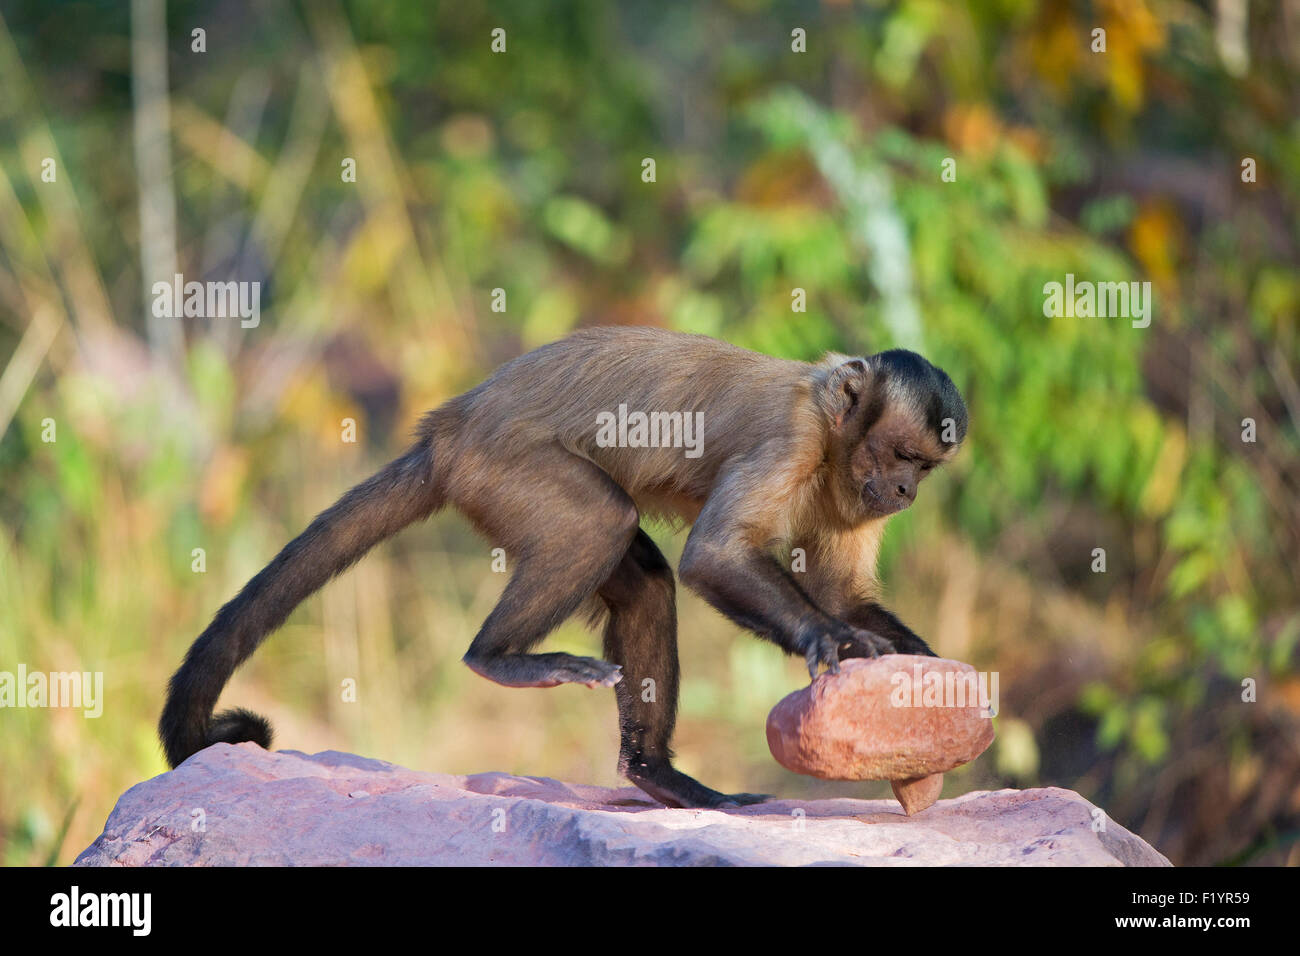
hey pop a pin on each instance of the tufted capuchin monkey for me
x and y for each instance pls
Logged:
(557, 457)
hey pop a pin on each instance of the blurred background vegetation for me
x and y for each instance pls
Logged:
(775, 170)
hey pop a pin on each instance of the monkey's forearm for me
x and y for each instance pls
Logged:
(872, 617)
(751, 589)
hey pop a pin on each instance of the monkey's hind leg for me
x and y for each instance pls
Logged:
(589, 521)
(641, 635)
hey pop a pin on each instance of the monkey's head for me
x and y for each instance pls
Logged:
(894, 418)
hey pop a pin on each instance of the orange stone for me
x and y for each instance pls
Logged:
(896, 717)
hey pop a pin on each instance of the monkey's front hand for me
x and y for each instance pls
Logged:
(862, 643)
(821, 649)
(829, 649)
(909, 643)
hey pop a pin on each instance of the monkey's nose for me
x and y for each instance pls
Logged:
(907, 491)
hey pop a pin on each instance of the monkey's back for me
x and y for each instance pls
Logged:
(559, 393)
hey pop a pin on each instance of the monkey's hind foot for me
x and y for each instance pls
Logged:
(673, 788)
(545, 670)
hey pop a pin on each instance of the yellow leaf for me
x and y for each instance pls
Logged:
(222, 482)
(972, 128)
(1162, 486)
(1155, 238)
(374, 248)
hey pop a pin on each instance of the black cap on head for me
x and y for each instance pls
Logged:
(912, 380)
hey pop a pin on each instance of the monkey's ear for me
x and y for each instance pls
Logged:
(845, 387)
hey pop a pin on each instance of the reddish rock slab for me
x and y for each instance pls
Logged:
(889, 718)
(242, 806)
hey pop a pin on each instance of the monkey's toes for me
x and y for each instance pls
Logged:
(591, 672)
(744, 799)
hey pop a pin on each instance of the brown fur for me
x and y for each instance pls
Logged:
(793, 455)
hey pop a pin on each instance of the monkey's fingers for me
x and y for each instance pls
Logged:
(589, 671)
(822, 650)
(866, 644)
(812, 658)
(911, 644)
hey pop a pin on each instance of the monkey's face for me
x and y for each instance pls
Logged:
(890, 463)
(894, 419)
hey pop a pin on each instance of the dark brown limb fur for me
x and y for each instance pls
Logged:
(559, 564)
(641, 637)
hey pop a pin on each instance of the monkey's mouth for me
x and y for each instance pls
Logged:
(879, 505)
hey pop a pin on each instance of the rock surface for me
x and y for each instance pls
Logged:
(287, 808)
(850, 725)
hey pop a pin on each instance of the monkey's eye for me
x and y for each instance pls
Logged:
(910, 458)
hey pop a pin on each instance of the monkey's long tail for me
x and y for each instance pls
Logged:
(400, 494)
